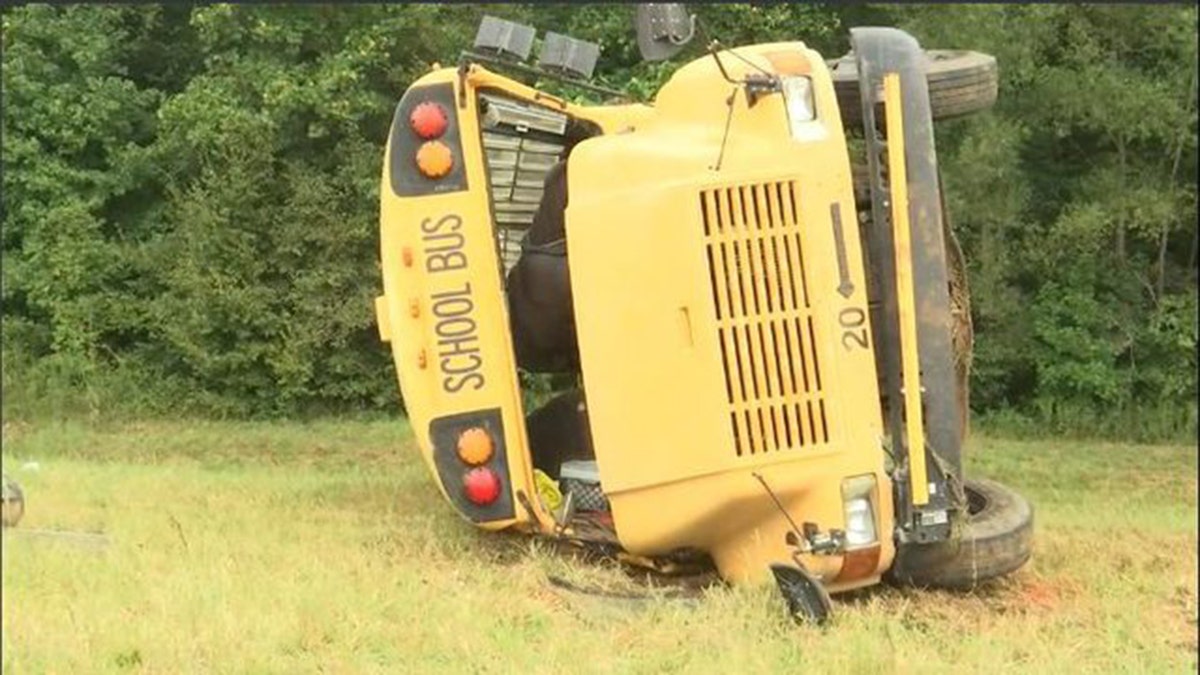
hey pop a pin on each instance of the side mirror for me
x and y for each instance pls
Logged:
(663, 29)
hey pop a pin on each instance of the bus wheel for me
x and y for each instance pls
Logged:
(996, 539)
(960, 83)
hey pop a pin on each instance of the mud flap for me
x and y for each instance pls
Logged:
(806, 598)
(880, 52)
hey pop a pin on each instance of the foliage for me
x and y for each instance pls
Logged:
(211, 225)
(190, 196)
(1075, 200)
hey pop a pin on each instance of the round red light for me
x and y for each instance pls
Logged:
(481, 485)
(428, 120)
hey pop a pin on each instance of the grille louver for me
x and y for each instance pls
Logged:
(521, 142)
(764, 319)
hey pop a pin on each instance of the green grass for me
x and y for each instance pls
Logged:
(288, 548)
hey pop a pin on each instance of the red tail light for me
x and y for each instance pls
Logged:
(428, 120)
(481, 485)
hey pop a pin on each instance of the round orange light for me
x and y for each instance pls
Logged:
(434, 159)
(475, 446)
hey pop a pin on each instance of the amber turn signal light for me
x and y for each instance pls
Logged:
(475, 446)
(434, 159)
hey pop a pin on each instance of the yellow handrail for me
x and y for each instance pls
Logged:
(898, 188)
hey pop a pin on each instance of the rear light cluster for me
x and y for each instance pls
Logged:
(471, 461)
(429, 121)
(481, 485)
(425, 152)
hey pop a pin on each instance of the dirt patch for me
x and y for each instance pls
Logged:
(1042, 595)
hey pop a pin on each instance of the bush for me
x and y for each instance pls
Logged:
(191, 199)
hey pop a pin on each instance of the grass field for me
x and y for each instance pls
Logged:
(324, 547)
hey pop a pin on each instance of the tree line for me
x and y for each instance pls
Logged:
(190, 204)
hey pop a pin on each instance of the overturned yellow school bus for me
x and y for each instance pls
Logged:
(768, 343)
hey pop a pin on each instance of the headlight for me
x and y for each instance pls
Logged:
(858, 496)
(798, 96)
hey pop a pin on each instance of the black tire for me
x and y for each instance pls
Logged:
(960, 83)
(997, 539)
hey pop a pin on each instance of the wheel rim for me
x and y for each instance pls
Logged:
(977, 502)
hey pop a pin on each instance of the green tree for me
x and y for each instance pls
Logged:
(273, 161)
(1077, 202)
(81, 198)
(191, 195)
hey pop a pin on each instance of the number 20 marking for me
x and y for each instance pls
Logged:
(854, 331)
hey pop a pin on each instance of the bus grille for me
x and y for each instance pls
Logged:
(764, 317)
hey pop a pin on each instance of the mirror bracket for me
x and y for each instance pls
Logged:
(663, 29)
